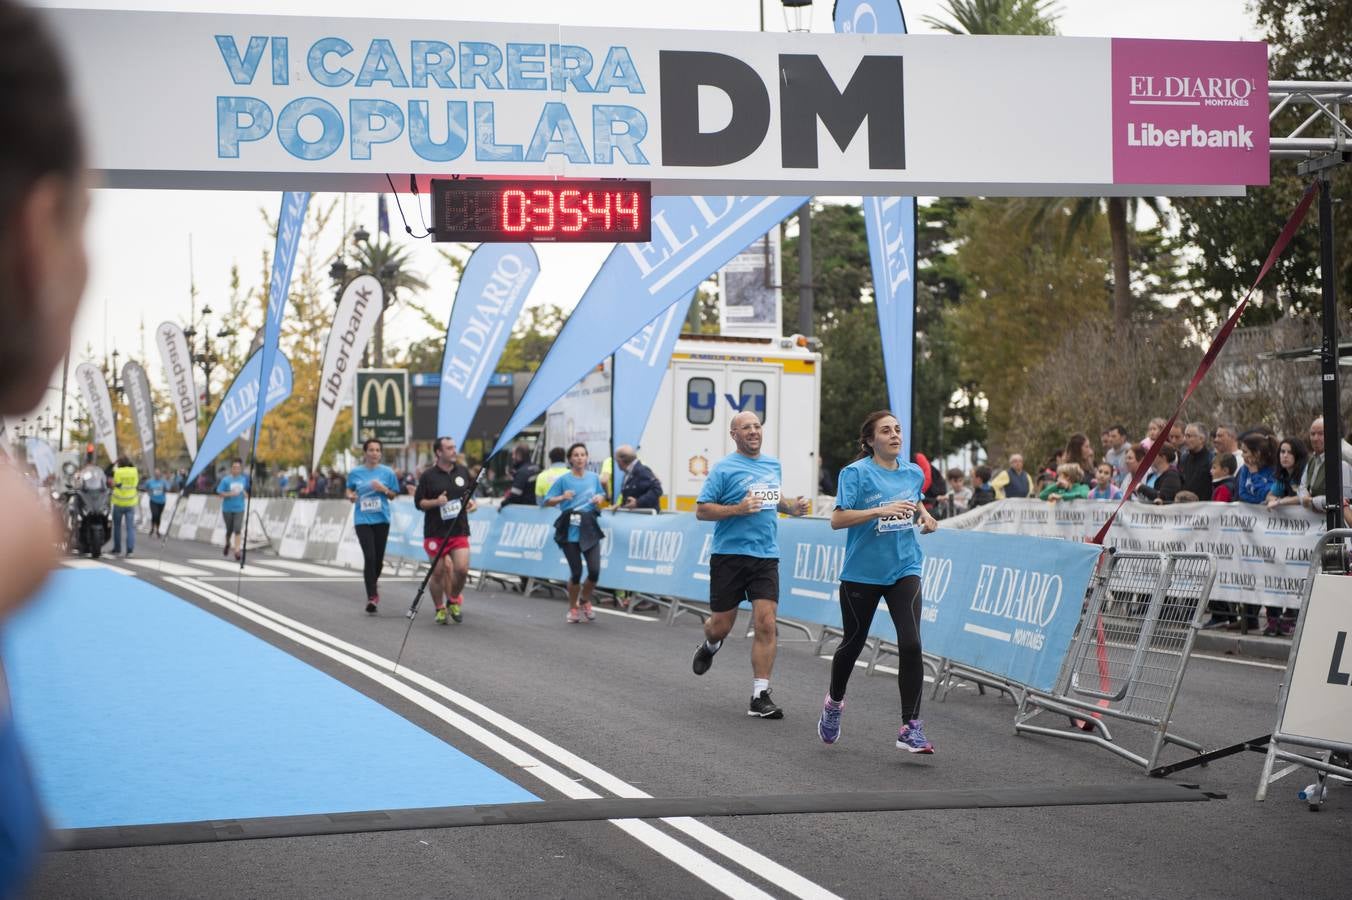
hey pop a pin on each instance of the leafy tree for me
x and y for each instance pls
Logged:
(390, 263)
(852, 381)
(1025, 290)
(532, 336)
(1309, 42)
(841, 273)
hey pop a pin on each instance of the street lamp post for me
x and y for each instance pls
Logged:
(207, 359)
(388, 276)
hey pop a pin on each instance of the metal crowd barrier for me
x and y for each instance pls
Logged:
(1130, 653)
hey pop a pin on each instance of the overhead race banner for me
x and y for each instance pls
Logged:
(360, 306)
(289, 222)
(890, 223)
(239, 409)
(1261, 555)
(639, 366)
(177, 359)
(142, 411)
(694, 236)
(270, 102)
(94, 390)
(492, 291)
(380, 408)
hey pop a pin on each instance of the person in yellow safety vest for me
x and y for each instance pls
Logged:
(546, 479)
(126, 498)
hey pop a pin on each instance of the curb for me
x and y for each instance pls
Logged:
(1254, 646)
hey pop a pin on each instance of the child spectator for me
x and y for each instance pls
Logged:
(1164, 481)
(1069, 485)
(959, 496)
(1223, 478)
(1255, 479)
(1103, 488)
(982, 492)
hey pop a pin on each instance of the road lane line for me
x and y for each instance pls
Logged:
(693, 862)
(94, 564)
(164, 567)
(234, 568)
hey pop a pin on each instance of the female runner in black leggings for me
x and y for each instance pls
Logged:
(878, 500)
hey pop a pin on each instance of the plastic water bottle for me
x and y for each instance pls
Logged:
(1308, 792)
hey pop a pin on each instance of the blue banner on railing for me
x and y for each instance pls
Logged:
(1005, 604)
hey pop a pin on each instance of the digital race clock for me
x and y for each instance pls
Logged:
(477, 210)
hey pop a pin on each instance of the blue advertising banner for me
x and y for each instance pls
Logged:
(639, 367)
(493, 289)
(693, 236)
(1008, 607)
(890, 222)
(1005, 604)
(290, 220)
(239, 409)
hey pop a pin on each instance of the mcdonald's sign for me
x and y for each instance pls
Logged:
(380, 407)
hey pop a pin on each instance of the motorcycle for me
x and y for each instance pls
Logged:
(88, 511)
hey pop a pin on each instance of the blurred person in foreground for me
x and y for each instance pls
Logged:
(44, 197)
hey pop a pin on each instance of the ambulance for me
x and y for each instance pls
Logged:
(709, 379)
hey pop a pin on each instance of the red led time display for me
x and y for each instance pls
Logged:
(478, 210)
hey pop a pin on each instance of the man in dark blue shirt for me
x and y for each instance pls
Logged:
(639, 487)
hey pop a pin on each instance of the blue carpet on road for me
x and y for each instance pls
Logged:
(137, 707)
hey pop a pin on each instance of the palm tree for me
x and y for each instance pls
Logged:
(1035, 17)
(389, 262)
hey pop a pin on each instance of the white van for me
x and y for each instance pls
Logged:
(709, 380)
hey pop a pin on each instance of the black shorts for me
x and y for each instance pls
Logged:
(734, 578)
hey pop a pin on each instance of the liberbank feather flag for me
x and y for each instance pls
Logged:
(891, 238)
(94, 389)
(692, 237)
(142, 411)
(289, 223)
(492, 291)
(177, 359)
(239, 409)
(358, 310)
(639, 367)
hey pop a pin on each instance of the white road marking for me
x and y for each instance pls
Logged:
(93, 564)
(623, 614)
(367, 663)
(310, 568)
(163, 567)
(233, 568)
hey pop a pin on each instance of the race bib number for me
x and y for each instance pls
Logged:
(767, 494)
(236, 489)
(895, 523)
(450, 509)
(575, 520)
(370, 504)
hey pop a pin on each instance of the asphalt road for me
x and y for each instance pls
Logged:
(611, 709)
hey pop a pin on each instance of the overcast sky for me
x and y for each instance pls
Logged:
(138, 240)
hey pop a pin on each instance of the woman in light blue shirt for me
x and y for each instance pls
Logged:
(578, 530)
(370, 486)
(878, 500)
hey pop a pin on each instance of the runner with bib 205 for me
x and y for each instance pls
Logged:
(878, 501)
(743, 496)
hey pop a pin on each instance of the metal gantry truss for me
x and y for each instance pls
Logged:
(1326, 129)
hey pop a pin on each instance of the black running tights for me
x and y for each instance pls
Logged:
(372, 539)
(858, 603)
(574, 553)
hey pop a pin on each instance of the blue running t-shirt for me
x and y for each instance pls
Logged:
(755, 535)
(156, 487)
(373, 507)
(879, 551)
(584, 489)
(233, 488)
